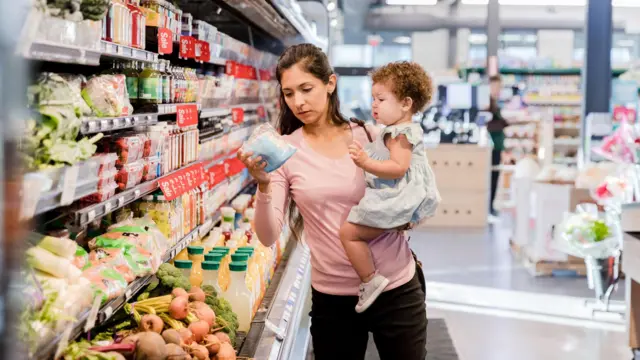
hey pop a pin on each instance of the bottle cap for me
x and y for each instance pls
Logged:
(219, 251)
(225, 248)
(195, 250)
(183, 264)
(210, 265)
(239, 257)
(238, 266)
(214, 257)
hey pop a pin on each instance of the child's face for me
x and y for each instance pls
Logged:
(386, 108)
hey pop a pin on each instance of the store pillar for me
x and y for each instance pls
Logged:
(493, 36)
(596, 70)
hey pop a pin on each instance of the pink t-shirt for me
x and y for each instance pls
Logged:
(325, 190)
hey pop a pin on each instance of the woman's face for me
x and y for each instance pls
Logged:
(306, 95)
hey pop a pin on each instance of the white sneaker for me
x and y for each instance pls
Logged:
(370, 291)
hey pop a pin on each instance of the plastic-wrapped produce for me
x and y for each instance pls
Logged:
(107, 95)
(129, 175)
(129, 148)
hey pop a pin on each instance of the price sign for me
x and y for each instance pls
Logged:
(178, 182)
(187, 115)
(203, 52)
(187, 47)
(237, 115)
(165, 41)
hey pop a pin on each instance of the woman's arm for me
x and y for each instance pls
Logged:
(399, 160)
(271, 203)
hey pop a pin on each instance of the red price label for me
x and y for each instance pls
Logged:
(182, 181)
(203, 52)
(187, 115)
(165, 41)
(187, 47)
(261, 112)
(237, 115)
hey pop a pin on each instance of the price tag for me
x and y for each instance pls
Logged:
(69, 185)
(187, 115)
(121, 201)
(165, 41)
(127, 294)
(120, 50)
(93, 125)
(203, 52)
(91, 215)
(107, 207)
(64, 341)
(108, 312)
(237, 115)
(93, 314)
(137, 193)
(104, 124)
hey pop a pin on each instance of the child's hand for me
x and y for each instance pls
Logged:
(358, 155)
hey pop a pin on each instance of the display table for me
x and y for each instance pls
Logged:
(463, 173)
(631, 269)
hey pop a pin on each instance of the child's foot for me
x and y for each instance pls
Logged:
(370, 291)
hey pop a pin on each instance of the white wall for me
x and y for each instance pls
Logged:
(556, 45)
(430, 49)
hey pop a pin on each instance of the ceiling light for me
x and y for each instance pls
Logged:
(411, 2)
(333, 22)
(616, 3)
(402, 40)
(331, 6)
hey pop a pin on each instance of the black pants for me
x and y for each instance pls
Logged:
(495, 175)
(397, 319)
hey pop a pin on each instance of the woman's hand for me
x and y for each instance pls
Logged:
(358, 155)
(256, 167)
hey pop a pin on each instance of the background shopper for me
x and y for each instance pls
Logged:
(315, 190)
(496, 131)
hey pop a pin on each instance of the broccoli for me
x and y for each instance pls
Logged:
(221, 307)
(173, 278)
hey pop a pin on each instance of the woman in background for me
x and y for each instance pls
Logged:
(495, 127)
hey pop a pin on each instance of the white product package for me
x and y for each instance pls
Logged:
(268, 144)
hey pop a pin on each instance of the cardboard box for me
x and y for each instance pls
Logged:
(461, 210)
(461, 167)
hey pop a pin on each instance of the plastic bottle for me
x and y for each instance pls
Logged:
(166, 82)
(182, 255)
(184, 266)
(132, 74)
(224, 265)
(239, 295)
(148, 85)
(210, 275)
(211, 240)
(196, 255)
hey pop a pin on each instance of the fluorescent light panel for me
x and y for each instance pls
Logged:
(617, 3)
(402, 40)
(412, 2)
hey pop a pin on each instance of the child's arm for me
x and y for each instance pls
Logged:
(400, 158)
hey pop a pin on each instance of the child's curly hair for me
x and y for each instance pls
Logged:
(407, 79)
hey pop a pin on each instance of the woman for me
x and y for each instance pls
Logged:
(317, 188)
(495, 127)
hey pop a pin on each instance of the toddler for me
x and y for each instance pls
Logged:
(401, 187)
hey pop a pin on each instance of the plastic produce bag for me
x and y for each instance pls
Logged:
(105, 282)
(114, 258)
(268, 144)
(107, 95)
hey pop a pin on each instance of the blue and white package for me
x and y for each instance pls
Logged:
(268, 144)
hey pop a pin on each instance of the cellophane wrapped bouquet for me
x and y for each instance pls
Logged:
(588, 233)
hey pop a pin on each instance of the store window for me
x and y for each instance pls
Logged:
(625, 48)
(369, 56)
(517, 47)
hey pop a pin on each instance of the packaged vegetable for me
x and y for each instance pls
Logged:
(41, 259)
(107, 95)
(105, 193)
(107, 179)
(58, 89)
(268, 144)
(105, 282)
(150, 170)
(81, 258)
(114, 258)
(64, 248)
(129, 175)
(129, 148)
(107, 162)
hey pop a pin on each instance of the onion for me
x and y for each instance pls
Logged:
(212, 343)
(223, 337)
(196, 294)
(172, 336)
(179, 307)
(226, 352)
(199, 352)
(179, 292)
(186, 335)
(203, 312)
(199, 329)
(151, 322)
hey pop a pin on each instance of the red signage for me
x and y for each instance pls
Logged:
(182, 181)
(187, 115)
(187, 47)
(165, 41)
(203, 52)
(237, 115)
(217, 174)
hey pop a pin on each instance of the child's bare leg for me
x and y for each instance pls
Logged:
(354, 239)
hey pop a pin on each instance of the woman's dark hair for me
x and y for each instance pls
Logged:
(314, 61)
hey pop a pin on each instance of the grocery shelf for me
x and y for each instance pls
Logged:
(49, 51)
(114, 50)
(166, 109)
(96, 125)
(280, 319)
